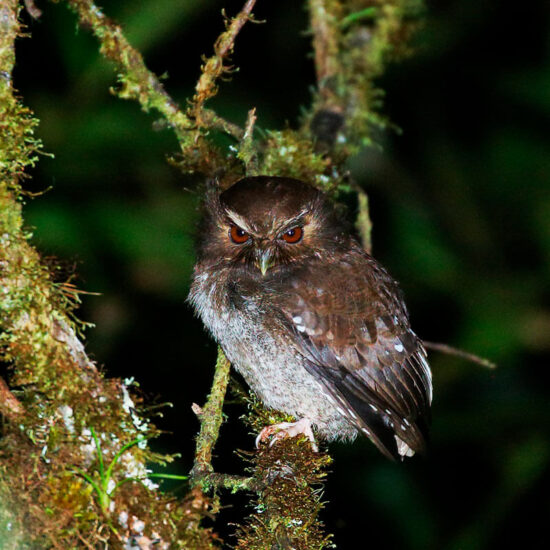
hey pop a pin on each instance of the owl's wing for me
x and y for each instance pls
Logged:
(350, 323)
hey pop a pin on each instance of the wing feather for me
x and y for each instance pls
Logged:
(352, 327)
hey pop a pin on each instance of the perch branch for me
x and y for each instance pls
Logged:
(289, 503)
(211, 417)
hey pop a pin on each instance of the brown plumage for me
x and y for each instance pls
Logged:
(315, 325)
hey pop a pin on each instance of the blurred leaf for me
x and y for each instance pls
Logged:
(395, 492)
(530, 88)
(58, 231)
(154, 239)
(422, 247)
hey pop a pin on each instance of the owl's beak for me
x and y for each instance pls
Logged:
(264, 261)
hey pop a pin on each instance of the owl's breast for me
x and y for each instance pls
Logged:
(260, 347)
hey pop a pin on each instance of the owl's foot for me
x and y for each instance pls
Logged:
(288, 429)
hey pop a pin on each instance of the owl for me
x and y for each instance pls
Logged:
(314, 324)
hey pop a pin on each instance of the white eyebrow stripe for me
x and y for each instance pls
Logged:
(290, 224)
(238, 220)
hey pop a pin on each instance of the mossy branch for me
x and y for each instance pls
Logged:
(137, 82)
(352, 41)
(214, 67)
(61, 394)
(211, 418)
(288, 503)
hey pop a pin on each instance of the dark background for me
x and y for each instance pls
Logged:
(461, 210)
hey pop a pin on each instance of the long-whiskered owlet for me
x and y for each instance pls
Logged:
(314, 324)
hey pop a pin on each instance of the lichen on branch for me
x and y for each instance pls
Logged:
(48, 462)
(286, 508)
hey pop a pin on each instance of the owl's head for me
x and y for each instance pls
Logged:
(267, 222)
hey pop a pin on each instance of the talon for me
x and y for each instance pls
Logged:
(288, 429)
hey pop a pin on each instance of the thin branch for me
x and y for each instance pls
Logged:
(449, 350)
(325, 45)
(214, 68)
(211, 417)
(136, 80)
(229, 481)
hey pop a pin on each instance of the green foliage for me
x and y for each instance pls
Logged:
(101, 480)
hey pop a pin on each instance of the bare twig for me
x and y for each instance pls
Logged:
(449, 350)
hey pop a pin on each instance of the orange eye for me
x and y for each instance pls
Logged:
(293, 235)
(238, 235)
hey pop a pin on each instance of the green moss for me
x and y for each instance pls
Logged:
(290, 476)
(49, 459)
(289, 153)
(287, 508)
(354, 41)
